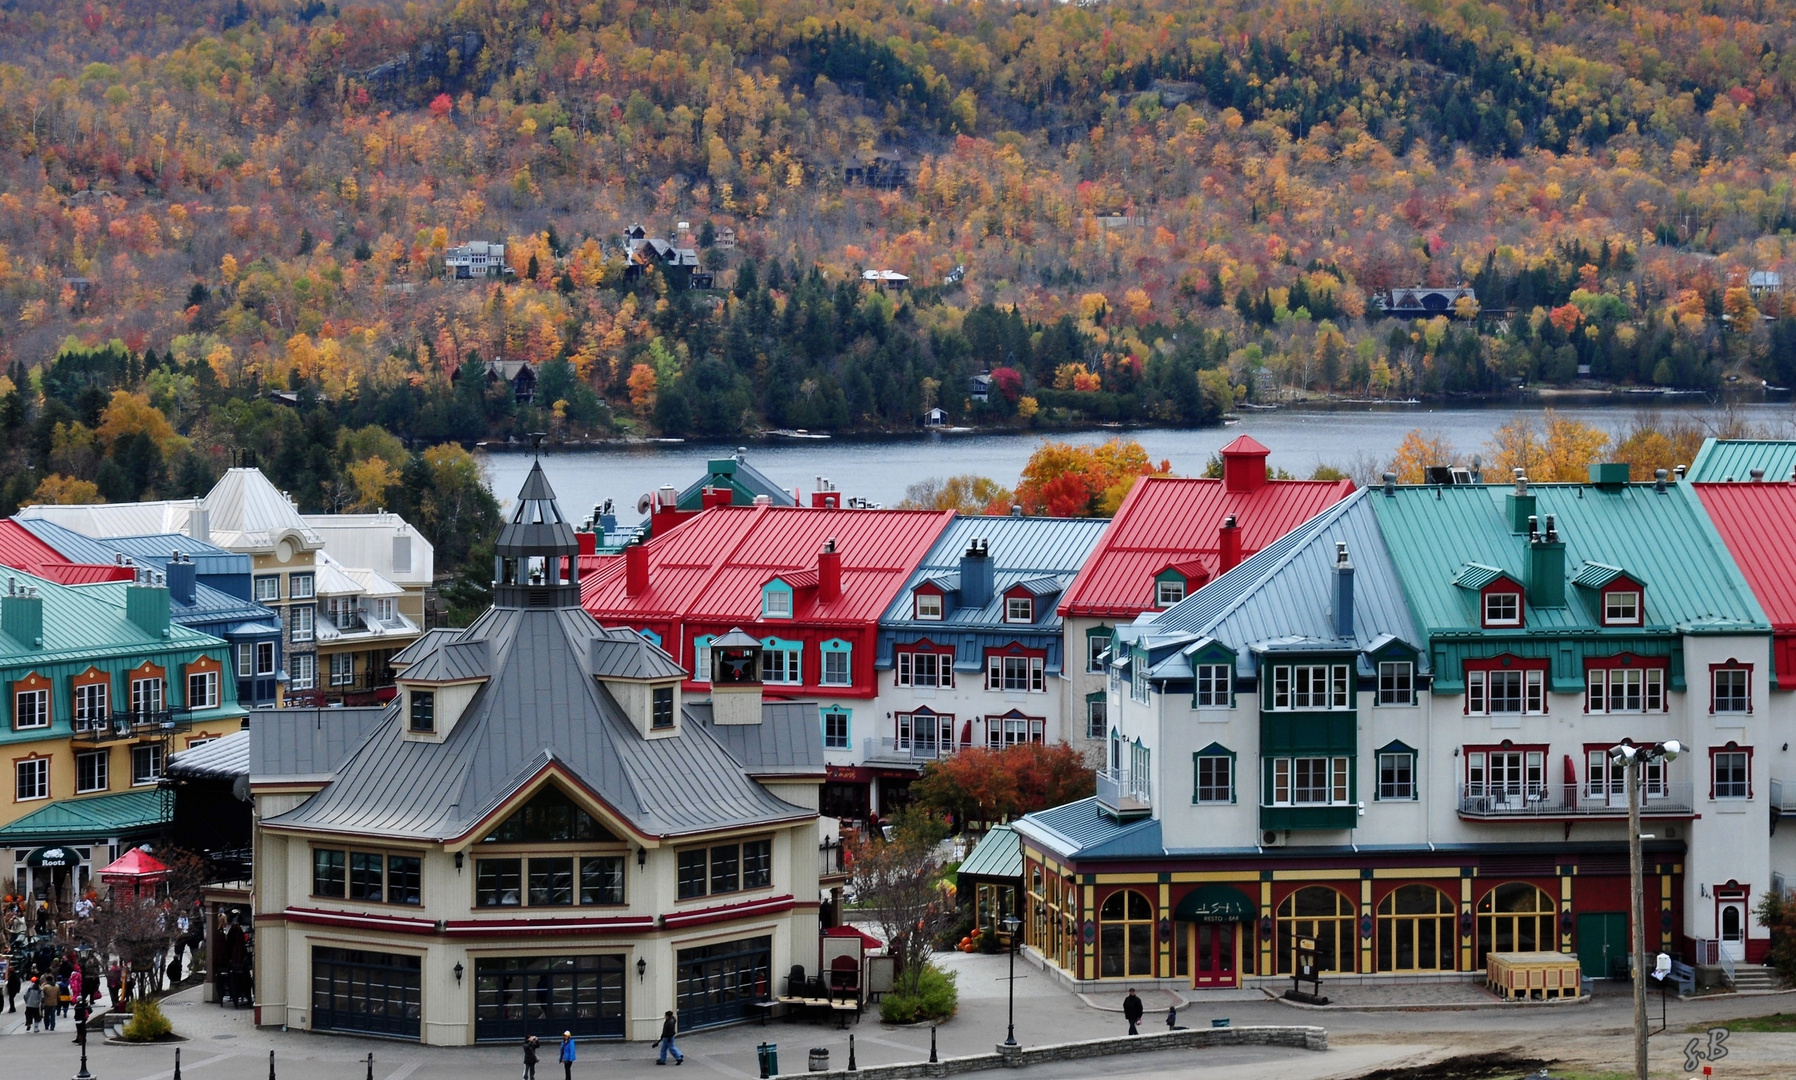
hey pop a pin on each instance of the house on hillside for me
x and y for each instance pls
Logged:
(1425, 302)
(886, 279)
(679, 265)
(880, 173)
(477, 259)
(520, 374)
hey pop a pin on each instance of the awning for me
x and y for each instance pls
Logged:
(55, 856)
(998, 856)
(126, 815)
(136, 865)
(868, 941)
(1214, 904)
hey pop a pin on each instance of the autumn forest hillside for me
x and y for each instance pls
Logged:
(1135, 210)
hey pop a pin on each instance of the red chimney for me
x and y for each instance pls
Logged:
(715, 497)
(589, 541)
(826, 500)
(1228, 546)
(636, 570)
(1244, 465)
(829, 573)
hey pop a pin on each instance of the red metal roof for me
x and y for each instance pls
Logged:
(1168, 521)
(21, 550)
(712, 567)
(1756, 522)
(1246, 444)
(133, 864)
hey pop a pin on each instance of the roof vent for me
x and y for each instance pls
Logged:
(763, 500)
(1678, 471)
(1659, 481)
(1758, 476)
(1016, 509)
(1521, 481)
(1390, 484)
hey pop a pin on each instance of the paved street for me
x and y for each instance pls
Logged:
(222, 1045)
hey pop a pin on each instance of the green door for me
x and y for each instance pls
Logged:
(1603, 944)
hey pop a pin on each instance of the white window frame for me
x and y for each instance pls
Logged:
(265, 650)
(1743, 699)
(1396, 682)
(303, 671)
(1606, 778)
(147, 695)
(841, 657)
(1019, 609)
(1168, 593)
(776, 603)
(39, 780)
(1294, 688)
(1506, 598)
(1213, 686)
(1094, 652)
(302, 586)
(926, 668)
(158, 758)
(207, 695)
(103, 771)
(1614, 614)
(92, 702)
(267, 588)
(1014, 674)
(1506, 774)
(1335, 776)
(1480, 692)
(342, 668)
(302, 619)
(790, 669)
(30, 703)
(701, 657)
(927, 606)
(1003, 731)
(1625, 690)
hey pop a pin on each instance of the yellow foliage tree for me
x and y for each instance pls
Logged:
(129, 414)
(372, 478)
(1418, 450)
(1563, 454)
(59, 490)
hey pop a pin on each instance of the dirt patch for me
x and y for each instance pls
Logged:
(1465, 1067)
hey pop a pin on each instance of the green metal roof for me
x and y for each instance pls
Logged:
(90, 819)
(1476, 576)
(1720, 460)
(1594, 575)
(999, 855)
(1664, 540)
(88, 622)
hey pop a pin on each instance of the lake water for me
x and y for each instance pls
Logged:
(880, 469)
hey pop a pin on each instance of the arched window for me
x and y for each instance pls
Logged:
(1319, 912)
(1515, 917)
(1415, 930)
(1125, 935)
(1069, 924)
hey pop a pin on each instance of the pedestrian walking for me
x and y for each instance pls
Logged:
(34, 1005)
(12, 987)
(1132, 1011)
(530, 1045)
(114, 980)
(52, 1001)
(75, 985)
(669, 1028)
(567, 1055)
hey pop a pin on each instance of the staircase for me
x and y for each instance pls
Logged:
(1756, 977)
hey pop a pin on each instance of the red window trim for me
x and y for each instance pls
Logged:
(1622, 583)
(1016, 649)
(1468, 749)
(1731, 748)
(1504, 585)
(13, 777)
(1514, 663)
(1731, 665)
(1509, 662)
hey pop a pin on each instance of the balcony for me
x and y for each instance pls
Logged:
(832, 862)
(1783, 797)
(908, 751)
(133, 725)
(1122, 793)
(1498, 802)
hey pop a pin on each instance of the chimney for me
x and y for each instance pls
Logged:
(199, 524)
(146, 604)
(1244, 465)
(976, 577)
(1609, 475)
(1546, 565)
(1228, 546)
(1343, 591)
(1390, 484)
(1519, 505)
(636, 570)
(588, 540)
(181, 578)
(829, 573)
(22, 614)
(713, 497)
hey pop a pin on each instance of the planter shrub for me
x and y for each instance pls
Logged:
(936, 999)
(147, 1023)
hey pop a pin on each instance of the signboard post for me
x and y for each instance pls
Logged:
(1307, 969)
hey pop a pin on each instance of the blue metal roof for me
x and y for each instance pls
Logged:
(1080, 830)
(154, 549)
(1282, 598)
(1041, 555)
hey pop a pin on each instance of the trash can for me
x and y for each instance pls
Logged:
(819, 1059)
(1219, 1022)
(768, 1054)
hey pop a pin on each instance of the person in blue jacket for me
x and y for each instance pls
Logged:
(567, 1055)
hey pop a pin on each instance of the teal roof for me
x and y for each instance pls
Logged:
(1476, 576)
(1720, 460)
(742, 479)
(1594, 575)
(85, 820)
(84, 622)
(999, 855)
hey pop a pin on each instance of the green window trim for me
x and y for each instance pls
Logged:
(847, 716)
(1216, 750)
(1396, 747)
(777, 611)
(1106, 632)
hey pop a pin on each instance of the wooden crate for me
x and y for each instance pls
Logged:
(1539, 975)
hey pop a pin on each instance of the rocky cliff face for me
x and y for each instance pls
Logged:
(448, 65)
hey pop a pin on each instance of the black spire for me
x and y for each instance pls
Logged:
(536, 562)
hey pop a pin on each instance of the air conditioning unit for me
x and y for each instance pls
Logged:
(1275, 837)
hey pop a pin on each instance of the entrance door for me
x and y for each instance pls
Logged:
(1732, 915)
(1215, 956)
(1603, 943)
(515, 996)
(368, 992)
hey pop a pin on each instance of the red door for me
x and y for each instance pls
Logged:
(1214, 961)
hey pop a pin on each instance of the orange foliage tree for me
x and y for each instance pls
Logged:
(1066, 480)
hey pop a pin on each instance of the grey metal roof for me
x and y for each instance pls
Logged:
(540, 706)
(1282, 597)
(449, 661)
(211, 606)
(537, 526)
(626, 654)
(788, 741)
(1080, 830)
(219, 759)
(306, 745)
(998, 855)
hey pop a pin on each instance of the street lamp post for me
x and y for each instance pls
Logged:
(1011, 925)
(1633, 759)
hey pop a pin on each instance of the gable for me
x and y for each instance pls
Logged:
(550, 816)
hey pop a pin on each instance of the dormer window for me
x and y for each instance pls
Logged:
(1019, 609)
(928, 606)
(1168, 593)
(776, 601)
(1502, 608)
(661, 715)
(1621, 607)
(423, 711)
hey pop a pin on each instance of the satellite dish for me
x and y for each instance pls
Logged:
(643, 504)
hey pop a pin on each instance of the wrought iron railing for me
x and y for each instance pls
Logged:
(1506, 801)
(832, 859)
(132, 725)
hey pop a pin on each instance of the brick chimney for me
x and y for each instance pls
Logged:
(636, 570)
(1228, 546)
(829, 573)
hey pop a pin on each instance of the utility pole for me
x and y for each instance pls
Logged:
(1634, 759)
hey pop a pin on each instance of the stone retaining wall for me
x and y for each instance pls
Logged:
(1301, 1038)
